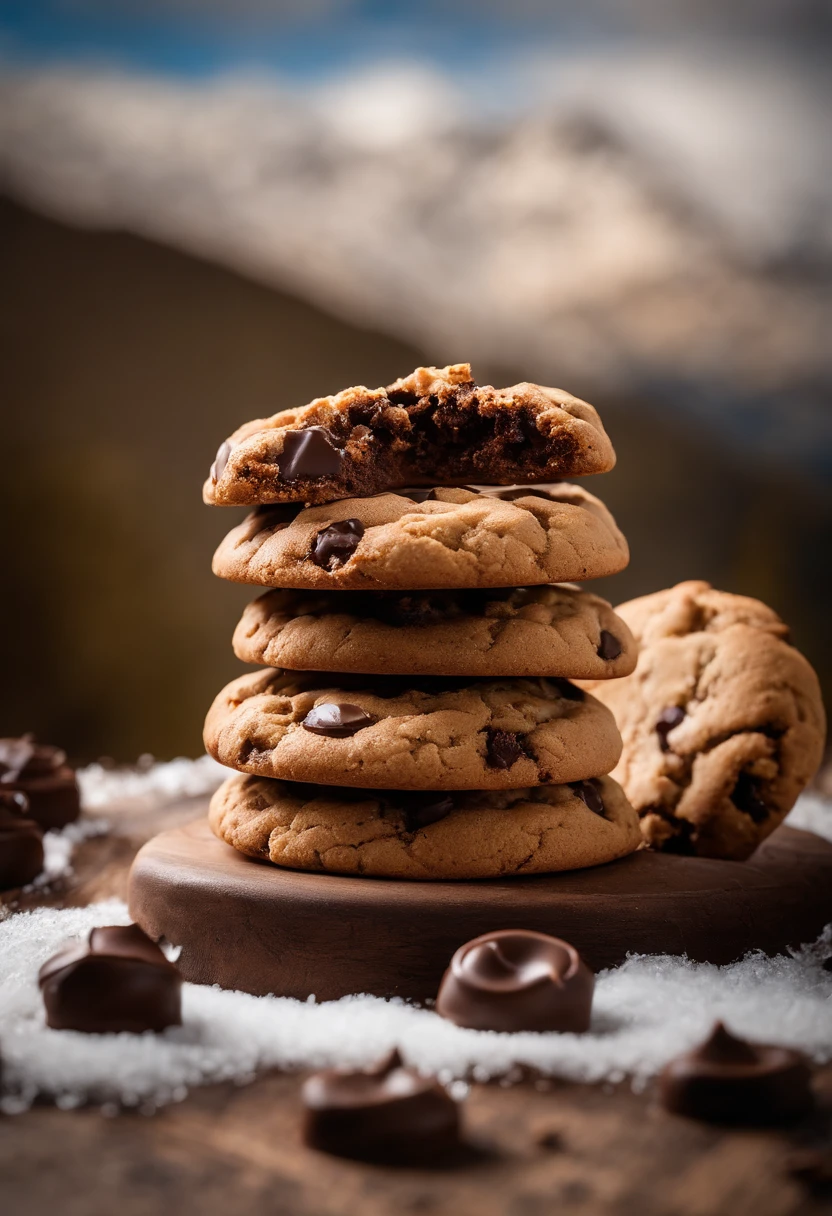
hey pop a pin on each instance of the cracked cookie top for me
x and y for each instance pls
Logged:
(408, 733)
(435, 538)
(439, 835)
(511, 631)
(434, 422)
(722, 720)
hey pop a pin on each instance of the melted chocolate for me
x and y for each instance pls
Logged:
(309, 453)
(337, 719)
(590, 793)
(420, 810)
(118, 981)
(220, 461)
(667, 721)
(334, 546)
(503, 748)
(609, 647)
(515, 980)
(384, 1113)
(21, 842)
(746, 798)
(728, 1080)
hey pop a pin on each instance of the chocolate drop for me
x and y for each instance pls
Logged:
(667, 720)
(24, 757)
(503, 748)
(220, 461)
(21, 842)
(727, 1080)
(309, 453)
(746, 798)
(334, 546)
(337, 720)
(416, 494)
(514, 980)
(386, 1112)
(590, 793)
(609, 647)
(118, 981)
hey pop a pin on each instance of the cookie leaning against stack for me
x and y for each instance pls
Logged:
(415, 717)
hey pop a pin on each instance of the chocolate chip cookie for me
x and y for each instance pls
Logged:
(722, 720)
(434, 422)
(441, 835)
(482, 537)
(524, 631)
(410, 733)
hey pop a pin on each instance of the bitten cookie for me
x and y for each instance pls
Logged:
(722, 720)
(427, 734)
(524, 631)
(366, 441)
(387, 834)
(454, 538)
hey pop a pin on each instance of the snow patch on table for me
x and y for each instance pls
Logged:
(645, 1011)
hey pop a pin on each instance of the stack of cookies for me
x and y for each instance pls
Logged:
(413, 716)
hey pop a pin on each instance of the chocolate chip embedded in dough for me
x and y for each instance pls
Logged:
(337, 720)
(334, 545)
(503, 748)
(746, 798)
(609, 647)
(421, 810)
(309, 453)
(667, 721)
(590, 793)
(220, 461)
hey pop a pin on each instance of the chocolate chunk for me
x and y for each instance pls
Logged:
(746, 798)
(569, 691)
(590, 793)
(609, 647)
(24, 757)
(515, 980)
(220, 461)
(21, 842)
(337, 720)
(503, 748)
(728, 1080)
(309, 453)
(384, 1113)
(118, 981)
(334, 546)
(668, 719)
(421, 810)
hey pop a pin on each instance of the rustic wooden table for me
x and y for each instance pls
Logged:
(534, 1151)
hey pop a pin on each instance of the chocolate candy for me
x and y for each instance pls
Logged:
(337, 720)
(590, 793)
(119, 980)
(668, 720)
(514, 980)
(334, 546)
(21, 842)
(220, 461)
(609, 647)
(309, 453)
(503, 748)
(384, 1113)
(727, 1080)
(40, 771)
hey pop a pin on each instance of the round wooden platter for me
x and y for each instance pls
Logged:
(252, 926)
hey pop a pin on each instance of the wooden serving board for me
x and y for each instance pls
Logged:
(253, 926)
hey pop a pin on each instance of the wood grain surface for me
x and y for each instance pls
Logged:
(534, 1147)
